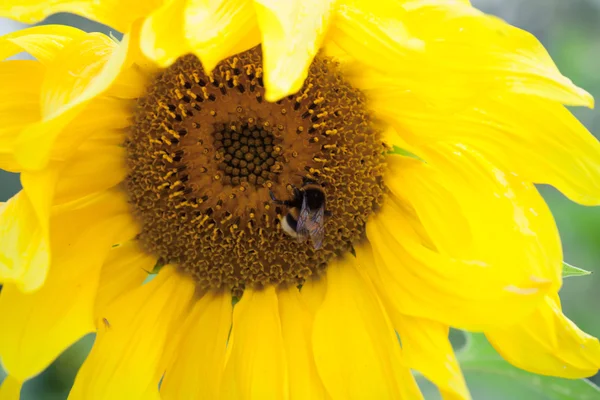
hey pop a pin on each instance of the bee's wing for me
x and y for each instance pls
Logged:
(317, 227)
(302, 228)
(303, 216)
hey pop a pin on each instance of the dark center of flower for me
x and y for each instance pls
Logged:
(207, 155)
(246, 152)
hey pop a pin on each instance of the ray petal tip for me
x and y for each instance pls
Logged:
(589, 100)
(208, 63)
(584, 98)
(277, 89)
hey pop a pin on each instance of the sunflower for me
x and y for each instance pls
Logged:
(318, 191)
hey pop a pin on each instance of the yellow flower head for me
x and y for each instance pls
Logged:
(253, 155)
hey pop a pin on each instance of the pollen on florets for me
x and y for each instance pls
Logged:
(205, 150)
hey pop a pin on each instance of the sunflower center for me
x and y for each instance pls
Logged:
(246, 151)
(240, 192)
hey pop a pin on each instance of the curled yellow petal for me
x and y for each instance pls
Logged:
(73, 70)
(538, 139)
(292, 33)
(504, 219)
(84, 69)
(423, 283)
(469, 54)
(42, 42)
(548, 343)
(118, 14)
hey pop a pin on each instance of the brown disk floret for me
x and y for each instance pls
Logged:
(204, 150)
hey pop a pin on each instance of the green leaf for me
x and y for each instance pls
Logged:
(571, 270)
(478, 356)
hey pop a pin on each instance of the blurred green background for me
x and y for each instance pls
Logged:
(570, 30)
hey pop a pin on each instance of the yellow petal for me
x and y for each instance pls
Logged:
(198, 367)
(95, 167)
(486, 50)
(313, 293)
(101, 122)
(126, 268)
(72, 69)
(62, 307)
(162, 36)
(566, 154)
(487, 205)
(355, 347)
(40, 325)
(40, 187)
(421, 282)
(256, 368)
(81, 212)
(508, 221)
(374, 33)
(548, 343)
(84, 69)
(426, 348)
(42, 42)
(296, 328)
(24, 247)
(135, 56)
(71, 219)
(128, 72)
(217, 29)
(10, 389)
(33, 146)
(125, 360)
(469, 53)
(118, 14)
(292, 33)
(19, 105)
(538, 139)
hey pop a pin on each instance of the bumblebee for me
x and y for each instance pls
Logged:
(306, 213)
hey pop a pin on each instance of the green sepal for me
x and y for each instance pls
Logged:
(404, 153)
(570, 270)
